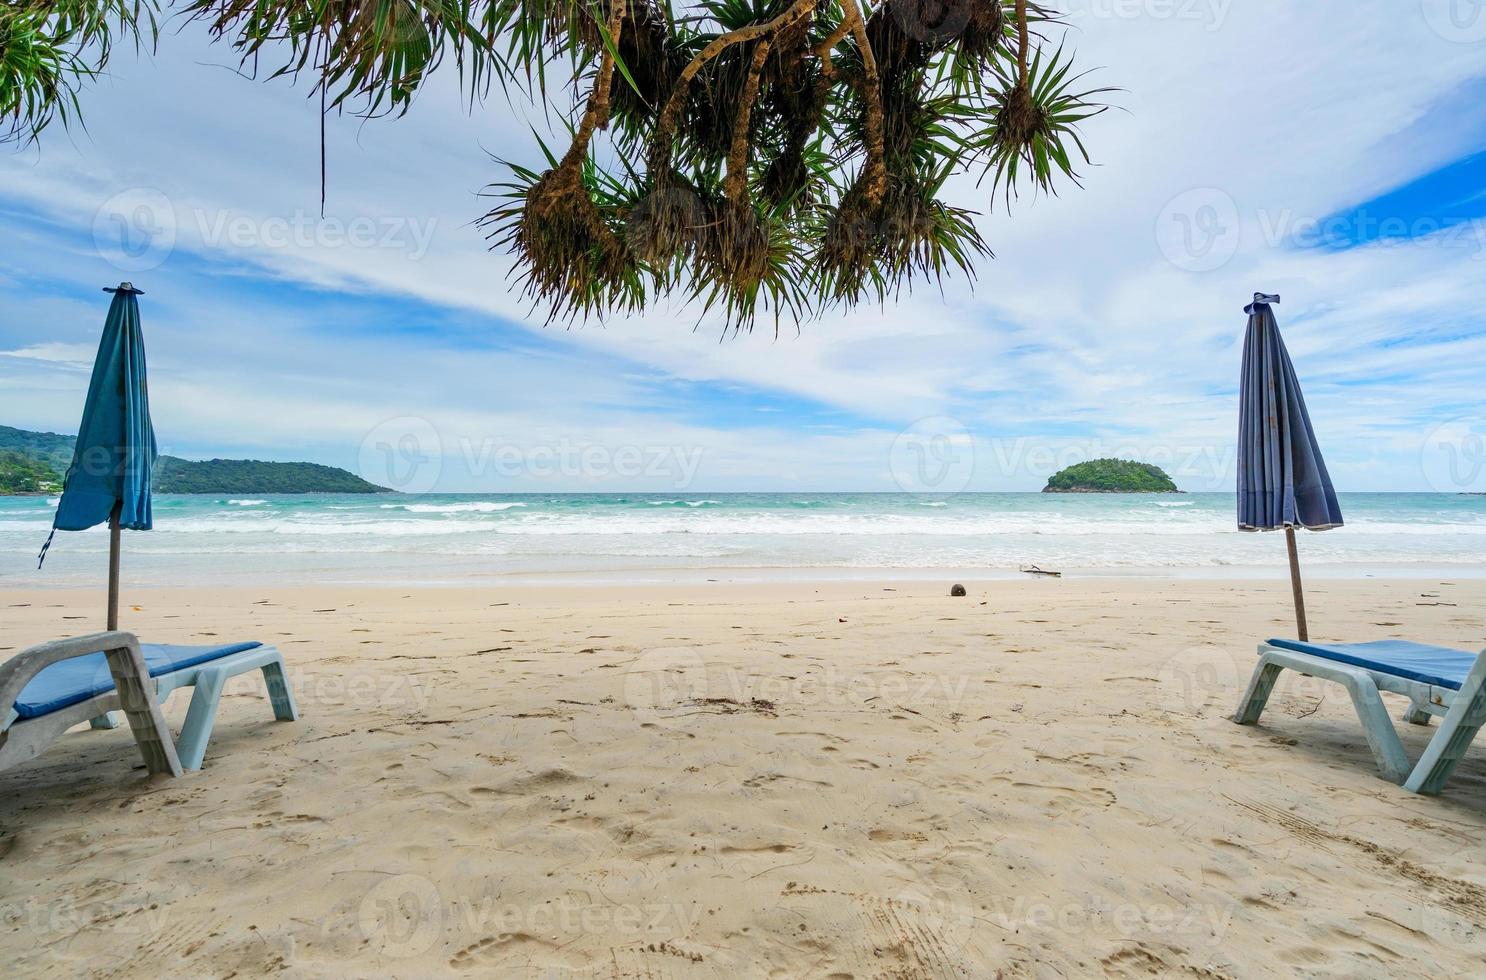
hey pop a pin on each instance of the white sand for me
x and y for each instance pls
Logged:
(752, 781)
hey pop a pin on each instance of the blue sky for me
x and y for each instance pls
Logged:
(1334, 152)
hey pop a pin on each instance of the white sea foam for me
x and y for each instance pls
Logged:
(559, 532)
(482, 507)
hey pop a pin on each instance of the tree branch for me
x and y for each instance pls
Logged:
(1023, 41)
(597, 114)
(736, 187)
(720, 44)
(824, 48)
(876, 172)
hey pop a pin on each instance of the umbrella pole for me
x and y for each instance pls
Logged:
(113, 568)
(1295, 585)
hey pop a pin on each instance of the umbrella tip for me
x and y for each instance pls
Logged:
(124, 287)
(1262, 299)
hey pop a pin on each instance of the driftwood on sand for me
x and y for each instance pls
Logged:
(1034, 570)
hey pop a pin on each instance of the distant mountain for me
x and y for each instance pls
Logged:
(33, 462)
(1111, 476)
(174, 475)
(46, 447)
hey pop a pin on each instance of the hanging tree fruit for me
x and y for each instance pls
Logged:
(776, 157)
(780, 155)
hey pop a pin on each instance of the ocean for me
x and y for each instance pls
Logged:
(468, 538)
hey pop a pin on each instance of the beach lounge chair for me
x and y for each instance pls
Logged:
(47, 689)
(1436, 680)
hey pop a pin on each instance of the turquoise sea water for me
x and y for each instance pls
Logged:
(453, 539)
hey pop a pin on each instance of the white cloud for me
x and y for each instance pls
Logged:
(78, 356)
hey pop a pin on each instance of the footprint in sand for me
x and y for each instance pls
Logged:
(1060, 799)
(1142, 960)
(493, 948)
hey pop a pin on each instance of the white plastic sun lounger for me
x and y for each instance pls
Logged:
(1437, 681)
(47, 689)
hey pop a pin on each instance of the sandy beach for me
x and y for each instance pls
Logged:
(789, 780)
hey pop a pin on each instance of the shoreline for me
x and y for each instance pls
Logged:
(664, 577)
(447, 541)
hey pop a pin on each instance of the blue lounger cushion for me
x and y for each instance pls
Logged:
(74, 681)
(1420, 662)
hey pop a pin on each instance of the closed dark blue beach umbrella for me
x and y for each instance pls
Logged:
(1282, 479)
(109, 478)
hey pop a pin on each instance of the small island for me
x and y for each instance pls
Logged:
(251, 476)
(1111, 476)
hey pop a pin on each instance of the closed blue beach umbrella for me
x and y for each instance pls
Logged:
(109, 478)
(1282, 479)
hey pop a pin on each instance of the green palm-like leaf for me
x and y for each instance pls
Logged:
(1035, 123)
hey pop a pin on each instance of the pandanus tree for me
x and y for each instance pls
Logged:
(757, 156)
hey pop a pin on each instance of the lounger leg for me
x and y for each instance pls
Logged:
(1416, 715)
(1447, 747)
(280, 694)
(105, 721)
(1382, 737)
(146, 720)
(200, 717)
(1261, 685)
